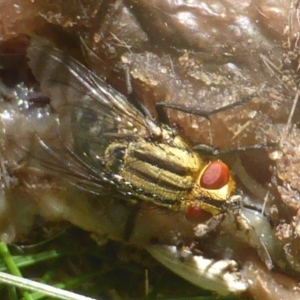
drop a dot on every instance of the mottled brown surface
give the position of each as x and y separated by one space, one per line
202 55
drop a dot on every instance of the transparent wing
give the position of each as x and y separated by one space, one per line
90 115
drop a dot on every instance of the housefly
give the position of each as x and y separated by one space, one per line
89 135
104 144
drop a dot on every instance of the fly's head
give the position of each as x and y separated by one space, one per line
213 195
213 189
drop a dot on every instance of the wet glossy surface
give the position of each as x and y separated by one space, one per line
201 55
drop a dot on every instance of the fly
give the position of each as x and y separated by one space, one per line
106 145
102 143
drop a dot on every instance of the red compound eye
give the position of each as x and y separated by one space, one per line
196 215
215 176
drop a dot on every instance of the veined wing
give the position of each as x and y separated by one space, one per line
91 115
71 85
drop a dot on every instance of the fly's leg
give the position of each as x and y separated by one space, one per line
162 116
131 96
205 114
130 223
202 148
159 106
